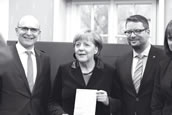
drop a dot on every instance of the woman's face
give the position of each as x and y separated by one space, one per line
85 50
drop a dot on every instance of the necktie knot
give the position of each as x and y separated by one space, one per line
140 56
28 53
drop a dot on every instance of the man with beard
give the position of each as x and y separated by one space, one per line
138 68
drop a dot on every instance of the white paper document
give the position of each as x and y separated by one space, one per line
85 102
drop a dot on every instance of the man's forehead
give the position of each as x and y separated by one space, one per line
134 25
29 21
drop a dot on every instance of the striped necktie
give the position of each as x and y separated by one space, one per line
138 73
30 70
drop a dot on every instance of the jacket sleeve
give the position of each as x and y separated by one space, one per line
55 101
115 97
157 102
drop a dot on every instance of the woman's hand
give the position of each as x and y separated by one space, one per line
102 97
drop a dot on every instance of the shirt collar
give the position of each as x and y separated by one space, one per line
21 49
145 53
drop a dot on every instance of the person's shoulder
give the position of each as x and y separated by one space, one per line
124 56
42 52
159 52
165 61
164 64
67 65
107 66
157 49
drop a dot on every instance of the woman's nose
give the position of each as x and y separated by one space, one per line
81 47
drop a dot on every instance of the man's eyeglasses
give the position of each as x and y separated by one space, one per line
135 31
33 30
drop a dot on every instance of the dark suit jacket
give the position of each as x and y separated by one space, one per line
162 95
69 78
133 103
15 95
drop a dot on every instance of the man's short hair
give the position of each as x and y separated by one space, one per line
138 18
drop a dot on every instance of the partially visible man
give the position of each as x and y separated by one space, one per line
138 68
5 54
25 80
2 41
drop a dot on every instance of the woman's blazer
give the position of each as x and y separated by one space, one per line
69 78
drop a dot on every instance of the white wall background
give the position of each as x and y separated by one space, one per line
42 9
60 10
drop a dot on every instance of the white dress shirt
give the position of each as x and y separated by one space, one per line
145 53
23 58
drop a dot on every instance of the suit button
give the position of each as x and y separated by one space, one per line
137 99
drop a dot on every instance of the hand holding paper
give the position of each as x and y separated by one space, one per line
102 97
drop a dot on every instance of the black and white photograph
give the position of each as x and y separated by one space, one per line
85 57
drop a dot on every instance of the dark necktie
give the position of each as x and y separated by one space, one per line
30 70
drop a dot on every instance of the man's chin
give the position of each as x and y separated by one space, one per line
133 44
82 60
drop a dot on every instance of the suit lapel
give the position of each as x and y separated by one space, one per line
94 77
19 66
77 74
39 62
129 79
150 63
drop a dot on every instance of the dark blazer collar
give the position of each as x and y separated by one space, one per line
18 65
20 68
99 64
151 63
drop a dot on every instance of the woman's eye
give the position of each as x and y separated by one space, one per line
86 44
77 44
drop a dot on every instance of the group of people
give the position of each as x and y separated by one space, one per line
138 83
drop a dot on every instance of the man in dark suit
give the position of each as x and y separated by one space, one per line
25 79
138 68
